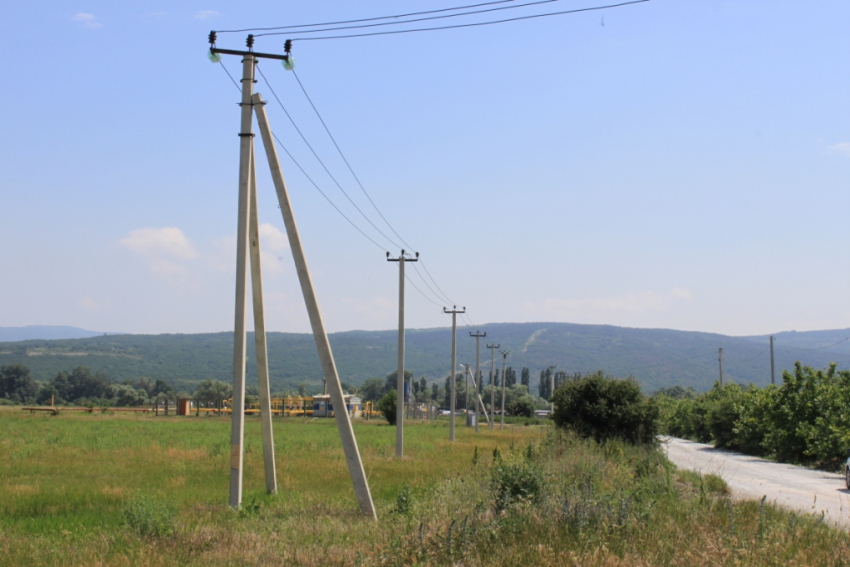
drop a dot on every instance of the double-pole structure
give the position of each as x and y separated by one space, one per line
504 354
399 420
248 246
493 348
478 336
454 311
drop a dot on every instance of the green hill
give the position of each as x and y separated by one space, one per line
657 357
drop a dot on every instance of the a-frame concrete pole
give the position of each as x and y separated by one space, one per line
237 426
478 403
260 337
323 346
492 348
478 395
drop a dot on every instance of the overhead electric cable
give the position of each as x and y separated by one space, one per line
415 20
816 348
297 129
368 19
410 281
310 179
468 25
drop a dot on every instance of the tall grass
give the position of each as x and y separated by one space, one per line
92 490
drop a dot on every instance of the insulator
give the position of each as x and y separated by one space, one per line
287 45
289 63
214 57
250 41
212 37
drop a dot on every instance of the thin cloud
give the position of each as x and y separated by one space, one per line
842 148
206 14
86 20
159 242
630 303
88 303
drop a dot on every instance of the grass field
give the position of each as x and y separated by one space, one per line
141 490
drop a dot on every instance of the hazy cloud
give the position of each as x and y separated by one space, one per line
88 303
86 20
164 248
158 242
630 303
843 148
206 14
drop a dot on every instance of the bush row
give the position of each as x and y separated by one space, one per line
804 420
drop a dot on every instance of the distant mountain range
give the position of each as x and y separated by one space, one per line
44 332
656 357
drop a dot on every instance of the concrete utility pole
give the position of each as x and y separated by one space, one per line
399 422
492 384
452 395
720 360
552 387
323 346
772 371
505 354
260 339
237 421
478 336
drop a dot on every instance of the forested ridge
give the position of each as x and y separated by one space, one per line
657 358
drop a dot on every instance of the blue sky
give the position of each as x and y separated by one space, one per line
685 165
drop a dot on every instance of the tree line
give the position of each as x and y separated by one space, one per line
803 420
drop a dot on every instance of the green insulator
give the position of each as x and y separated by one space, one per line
214 57
289 63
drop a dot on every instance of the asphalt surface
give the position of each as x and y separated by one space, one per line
792 487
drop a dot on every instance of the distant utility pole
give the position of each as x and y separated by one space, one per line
454 313
478 336
477 394
492 384
399 422
772 371
552 387
505 354
720 360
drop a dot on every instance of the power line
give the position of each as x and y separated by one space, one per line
344 159
350 200
441 17
817 348
367 19
470 25
310 179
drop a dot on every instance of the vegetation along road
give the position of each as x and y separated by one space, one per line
792 487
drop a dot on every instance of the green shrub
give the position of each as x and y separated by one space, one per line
603 407
387 406
515 481
148 516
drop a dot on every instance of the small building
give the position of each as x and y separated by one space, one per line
323 406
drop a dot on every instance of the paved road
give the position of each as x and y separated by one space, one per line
789 486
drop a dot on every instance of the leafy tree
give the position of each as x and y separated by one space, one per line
16 384
604 407
423 384
348 388
525 378
387 406
392 379
521 406
81 384
127 396
510 377
212 392
372 389
677 392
